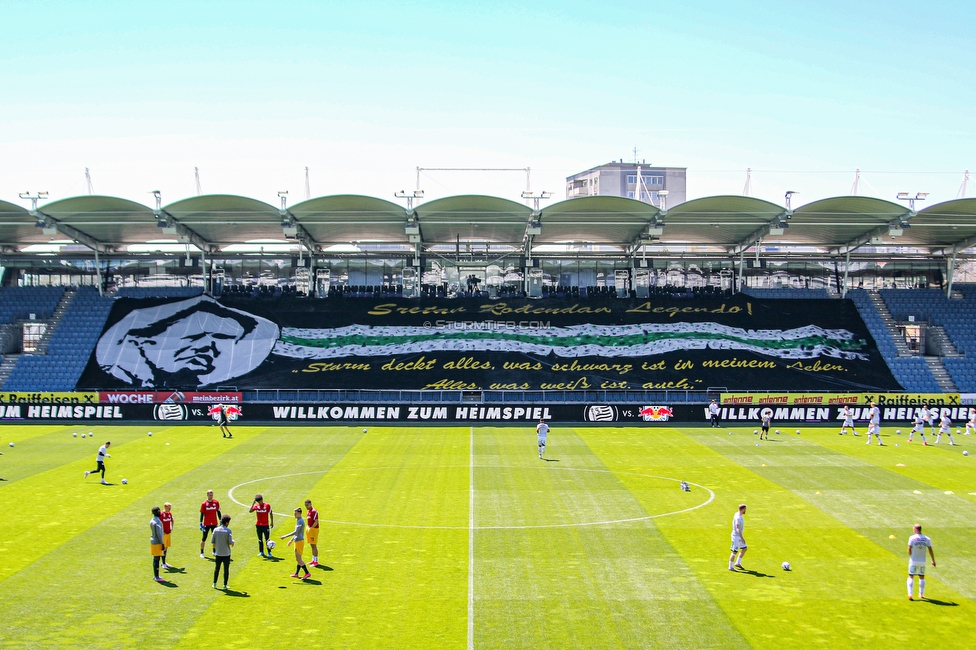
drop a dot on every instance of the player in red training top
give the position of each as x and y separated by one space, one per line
209 518
264 523
166 516
312 534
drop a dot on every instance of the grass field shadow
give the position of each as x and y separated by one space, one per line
551 460
311 581
941 603
236 594
322 567
274 558
168 584
756 574
174 569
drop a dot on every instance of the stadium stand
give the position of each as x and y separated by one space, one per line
933 307
18 303
788 294
69 348
159 292
911 372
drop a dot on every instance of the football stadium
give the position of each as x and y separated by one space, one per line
518 426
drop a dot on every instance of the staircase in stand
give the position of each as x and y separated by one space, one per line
9 361
942 340
889 322
941 375
56 317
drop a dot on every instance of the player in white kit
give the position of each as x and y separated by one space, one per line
542 430
738 541
848 414
919 427
917 546
945 426
929 416
971 424
874 425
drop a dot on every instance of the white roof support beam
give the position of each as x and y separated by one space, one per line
757 236
72 233
191 235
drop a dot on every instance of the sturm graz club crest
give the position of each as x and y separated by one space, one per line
600 413
170 412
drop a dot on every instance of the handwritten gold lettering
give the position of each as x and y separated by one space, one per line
816 367
576 366
419 364
525 365
448 384
738 363
468 363
660 365
579 384
325 366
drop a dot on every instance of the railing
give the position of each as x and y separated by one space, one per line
633 397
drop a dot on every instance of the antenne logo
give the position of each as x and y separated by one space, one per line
656 413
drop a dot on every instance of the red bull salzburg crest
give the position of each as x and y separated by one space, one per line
656 413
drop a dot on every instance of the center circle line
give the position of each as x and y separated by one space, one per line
711 497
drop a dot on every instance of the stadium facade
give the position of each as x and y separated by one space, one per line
602 305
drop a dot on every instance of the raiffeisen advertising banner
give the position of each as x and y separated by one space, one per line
828 399
200 344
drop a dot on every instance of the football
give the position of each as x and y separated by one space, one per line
150 433
11 444
755 431
125 481
757 444
74 435
82 435
797 432
965 453
777 431
898 432
786 566
271 544
364 430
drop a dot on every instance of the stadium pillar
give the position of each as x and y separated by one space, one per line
950 267
98 273
847 267
742 261
203 265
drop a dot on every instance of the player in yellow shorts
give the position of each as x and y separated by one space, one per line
166 516
156 542
298 538
312 531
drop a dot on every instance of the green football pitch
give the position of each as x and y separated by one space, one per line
459 537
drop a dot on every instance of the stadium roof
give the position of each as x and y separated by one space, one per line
720 224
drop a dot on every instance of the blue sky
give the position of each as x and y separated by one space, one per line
364 92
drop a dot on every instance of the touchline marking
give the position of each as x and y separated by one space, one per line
471 526
471 546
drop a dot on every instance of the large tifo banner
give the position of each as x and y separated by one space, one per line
739 343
